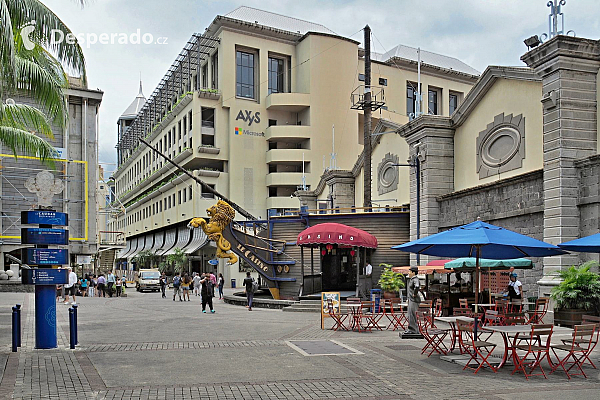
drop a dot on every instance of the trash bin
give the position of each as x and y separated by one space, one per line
376 298
233 283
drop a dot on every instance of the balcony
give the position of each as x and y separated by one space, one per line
286 155
283 202
111 238
284 178
288 132
292 102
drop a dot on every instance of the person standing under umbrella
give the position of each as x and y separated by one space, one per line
514 287
413 287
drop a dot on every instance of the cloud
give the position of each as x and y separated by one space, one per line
478 32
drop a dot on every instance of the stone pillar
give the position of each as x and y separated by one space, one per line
307 198
431 139
569 68
341 185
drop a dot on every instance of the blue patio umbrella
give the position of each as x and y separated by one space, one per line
588 244
480 240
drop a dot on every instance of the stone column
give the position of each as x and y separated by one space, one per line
307 198
431 139
568 67
341 185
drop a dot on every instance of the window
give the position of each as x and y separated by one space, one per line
383 81
190 192
432 102
204 193
453 104
179 130
179 197
169 201
166 208
184 125
190 120
410 99
214 64
361 77
205 75
272 122
276 75
245 74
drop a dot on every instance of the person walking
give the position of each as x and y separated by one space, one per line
213 282
101 285
220 284
110 282
119 285
70 287
197 286
249 285
83 284
163 285
92 286
206 293
176 285
185 286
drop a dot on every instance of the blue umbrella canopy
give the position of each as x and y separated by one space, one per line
493 242
588 244
470 263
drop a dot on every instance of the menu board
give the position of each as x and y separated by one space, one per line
335 297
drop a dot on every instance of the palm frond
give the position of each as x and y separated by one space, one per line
44 87
21 141
7 49
25 116
45 21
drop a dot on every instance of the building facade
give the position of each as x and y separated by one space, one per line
255 107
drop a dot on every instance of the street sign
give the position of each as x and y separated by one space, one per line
44 217
46 256
44 236
45 276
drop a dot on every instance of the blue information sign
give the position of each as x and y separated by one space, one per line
45 276
44 217
44 236
46 256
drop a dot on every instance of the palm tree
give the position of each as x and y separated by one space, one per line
31 63
178 258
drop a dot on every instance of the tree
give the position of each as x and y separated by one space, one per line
31 63
145 257
178 259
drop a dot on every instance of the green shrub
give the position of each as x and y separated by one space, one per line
390 281
579 289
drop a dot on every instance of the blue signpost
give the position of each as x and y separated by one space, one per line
45 279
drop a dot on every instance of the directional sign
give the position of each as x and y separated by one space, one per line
44 217
44 236
46 256
45 276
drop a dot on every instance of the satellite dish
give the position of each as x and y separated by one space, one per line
213 262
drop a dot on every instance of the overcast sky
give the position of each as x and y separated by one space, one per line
478 32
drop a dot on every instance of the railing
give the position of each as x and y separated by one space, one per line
112 238
347 210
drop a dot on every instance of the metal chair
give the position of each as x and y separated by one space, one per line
395 314
438 308
479 350
591 319
541 307
534 351
576 349
434 336
338 319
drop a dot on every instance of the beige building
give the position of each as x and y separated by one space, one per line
252 108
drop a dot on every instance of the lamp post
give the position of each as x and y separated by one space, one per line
416 164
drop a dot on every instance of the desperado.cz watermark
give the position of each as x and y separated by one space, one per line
89 39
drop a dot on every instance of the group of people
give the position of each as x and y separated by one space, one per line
202 285
90 285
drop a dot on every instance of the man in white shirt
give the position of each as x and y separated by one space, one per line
70 287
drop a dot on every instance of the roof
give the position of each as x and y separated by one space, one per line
427 57
136 105
278 21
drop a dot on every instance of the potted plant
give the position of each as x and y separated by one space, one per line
578 294
390 281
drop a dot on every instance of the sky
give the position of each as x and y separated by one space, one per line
478 32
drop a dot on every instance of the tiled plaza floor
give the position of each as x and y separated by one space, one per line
145 347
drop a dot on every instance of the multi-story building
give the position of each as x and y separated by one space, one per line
255 107
75 175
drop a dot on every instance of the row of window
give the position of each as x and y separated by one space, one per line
433 95
246 63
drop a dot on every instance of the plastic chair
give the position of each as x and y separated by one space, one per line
576 349
479 350
534 351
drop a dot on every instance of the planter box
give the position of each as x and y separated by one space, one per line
569 317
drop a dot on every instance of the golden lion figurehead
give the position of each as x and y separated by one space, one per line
221 215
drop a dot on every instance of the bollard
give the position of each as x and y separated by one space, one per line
71 328
18 325
75 323
14 329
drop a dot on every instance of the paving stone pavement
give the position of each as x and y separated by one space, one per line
145 347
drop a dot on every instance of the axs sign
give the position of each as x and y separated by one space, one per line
248 117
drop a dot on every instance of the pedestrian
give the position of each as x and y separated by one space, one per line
213 282
197 286
101 286
119 283
220 284
70 287
59 292
176 284
185 286
92 287
249 289
206 293
83 284
163 285
110 282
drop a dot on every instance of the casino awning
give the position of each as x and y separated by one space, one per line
332 233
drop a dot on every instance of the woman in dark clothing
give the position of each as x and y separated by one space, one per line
206 293
220 283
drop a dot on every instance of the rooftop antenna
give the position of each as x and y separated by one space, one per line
418 97
332 162
553 20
